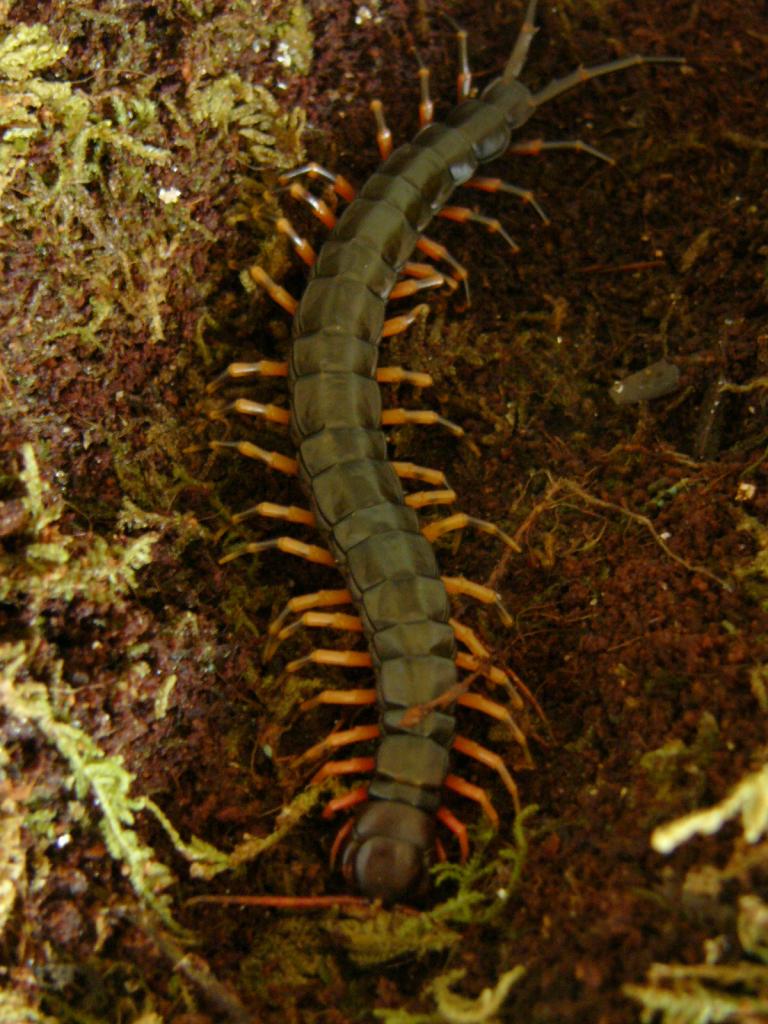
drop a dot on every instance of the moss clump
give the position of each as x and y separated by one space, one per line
711 993
54 567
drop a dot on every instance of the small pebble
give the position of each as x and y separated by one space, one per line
653 381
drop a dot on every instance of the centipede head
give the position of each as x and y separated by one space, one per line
388 852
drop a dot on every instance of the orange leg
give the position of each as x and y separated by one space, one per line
324 620
345 698
320 209
317 620
314 171
472 792
420 499
341 836
435 251
458 828
301 246
345 801
471 641
499 678
463 215
290 513
422 270
252 451
477 702
247 407
497 185
481 656
491 672
288 545
410 471
244 371
303 603
396 417
426 106
490 760
461 520
459 585
322 656
398 324
397 375
345 738
383 134
468 637
405 288
353 766
533 147
274 290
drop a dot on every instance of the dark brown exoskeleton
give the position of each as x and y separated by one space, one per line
370 526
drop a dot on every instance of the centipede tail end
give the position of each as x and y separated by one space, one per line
388 852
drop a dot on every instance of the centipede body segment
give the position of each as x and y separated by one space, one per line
369 528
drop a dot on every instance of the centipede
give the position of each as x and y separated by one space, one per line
422 662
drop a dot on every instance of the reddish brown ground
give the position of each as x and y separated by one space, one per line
628 650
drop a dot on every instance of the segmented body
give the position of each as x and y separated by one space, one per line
355 494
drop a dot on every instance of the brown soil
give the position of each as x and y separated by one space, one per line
639 601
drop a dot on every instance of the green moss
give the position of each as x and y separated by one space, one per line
16 1009
453 1008
229 102
711 993
391 934
293 944
702 994
64 567
754 574
28 49
94 775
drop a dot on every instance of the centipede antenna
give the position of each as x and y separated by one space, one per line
534 147
519 53
582 74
